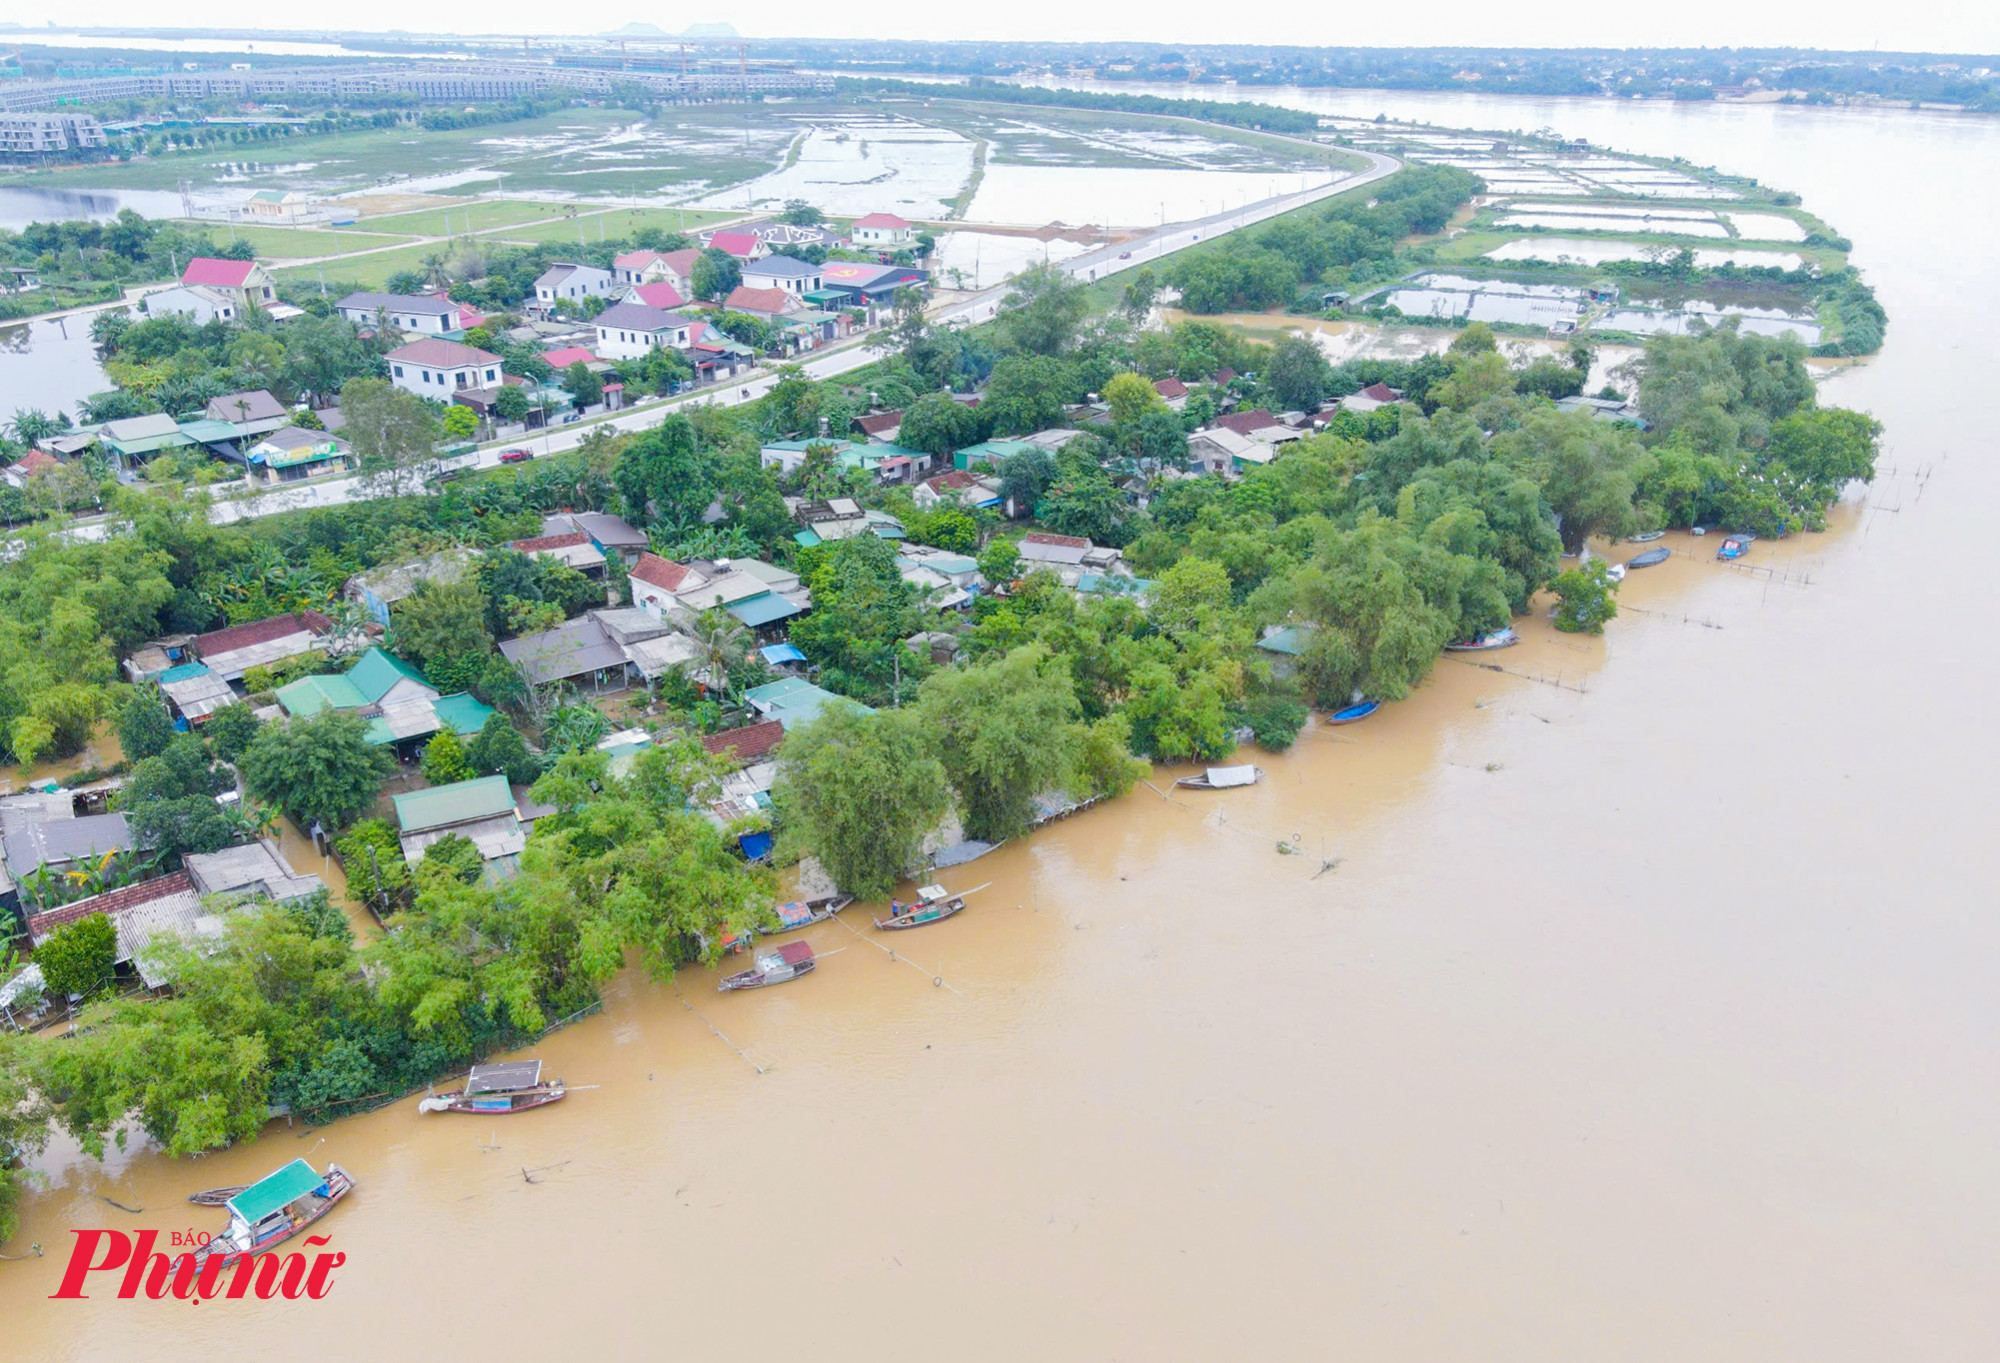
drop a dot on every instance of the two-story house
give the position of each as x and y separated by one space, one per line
657 267
433 368
884 231
626 331
425 314
568 283
795 277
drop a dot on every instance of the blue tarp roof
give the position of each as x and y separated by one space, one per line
763 610
185 672
782 653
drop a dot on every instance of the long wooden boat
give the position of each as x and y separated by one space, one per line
275 1208
215 1197
496 1090
800 913
1650 557
1222 778
1493 638
1354 714
936 905
1647 536
788 962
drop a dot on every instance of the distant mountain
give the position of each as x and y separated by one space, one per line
710 31
637 30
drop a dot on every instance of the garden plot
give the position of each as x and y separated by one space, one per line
1560 250
1584 222
1692 317
1488 300
1599 209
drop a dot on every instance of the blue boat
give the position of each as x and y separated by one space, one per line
1493 638
1354 714
1650 557
1734 547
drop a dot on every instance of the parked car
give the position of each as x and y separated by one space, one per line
1124 255
515 456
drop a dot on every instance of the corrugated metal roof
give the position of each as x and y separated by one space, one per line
764 610
461 802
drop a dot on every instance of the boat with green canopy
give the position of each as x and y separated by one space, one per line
275 1208
936 905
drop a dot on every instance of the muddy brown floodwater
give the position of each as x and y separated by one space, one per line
1649 1013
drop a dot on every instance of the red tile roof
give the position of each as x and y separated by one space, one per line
1044 537
229 639
743 298
1224 375
635 260
1243 423
1170 388
880 220
659 572
736 243
682 262
227 274
659 295
875 423
748 743
37 461
1381 392
569 355
543 543
109 903
948 482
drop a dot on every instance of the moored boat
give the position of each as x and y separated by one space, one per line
275 1208
1493 638
1650 557
495 1090
936 905
1355 713
1734 546
788 962
1647 536
1222 778
800 913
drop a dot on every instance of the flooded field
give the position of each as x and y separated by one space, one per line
978 260
48 365
1589 252
854 166
1646 1015
1125 198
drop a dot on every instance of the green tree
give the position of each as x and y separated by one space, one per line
1130 397
862 612
1587 598
938 424
1042 311
583 385
1589 470
665 478
499 750
230 729
859 791
716 274
24 1119
78 958
511 404
144 728
394 433
319 770
444 762
1006 732
1299 373
1476 339
999 561
459 422
442 620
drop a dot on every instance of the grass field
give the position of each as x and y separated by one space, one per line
293 243
612 225
471 215
1026 135
371 271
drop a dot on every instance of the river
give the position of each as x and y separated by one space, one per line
1647 1014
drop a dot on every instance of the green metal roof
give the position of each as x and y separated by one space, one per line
208 432
464 713
275 1191
147 444
1287 641
376 673
308 696
457 803
763 610
809 538
793 701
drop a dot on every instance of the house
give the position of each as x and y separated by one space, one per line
578 650
256 870
275 203
792 701
252 413
1041 546
19 279
28 465
565 282
232 651
573 549
137 436
889 463
859 284
756 593
611 534
748 744
627 331
1369 398
842 518
777 236
657 267
1173 390
1248 423
764 304
1286 644
244 282
1217 449
746 789
481 810
1604 409
651 644
62 843
381 588
960 486
568 355
426 314
292 453
193 693
883 231
794 277
944 583
434 368
744 246
882 426
662 295
200 305
141 915
401 707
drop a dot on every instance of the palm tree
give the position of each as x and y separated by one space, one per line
720 642
435 274
32 424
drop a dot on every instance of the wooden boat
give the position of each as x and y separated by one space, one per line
274 1209
1734 546
1647 536
215 1197
1354 714
788 962
1222 778
495 1090
1650 557
800 913
1493 638
937 904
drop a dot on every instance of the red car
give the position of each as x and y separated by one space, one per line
515 456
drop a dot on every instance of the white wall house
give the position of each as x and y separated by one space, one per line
657 267
795 277
884 230
573 283
197 302
438 369
405 312
626 331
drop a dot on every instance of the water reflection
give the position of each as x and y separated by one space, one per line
49 365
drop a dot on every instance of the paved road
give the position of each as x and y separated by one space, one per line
834 361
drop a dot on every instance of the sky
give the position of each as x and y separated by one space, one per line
1969 26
